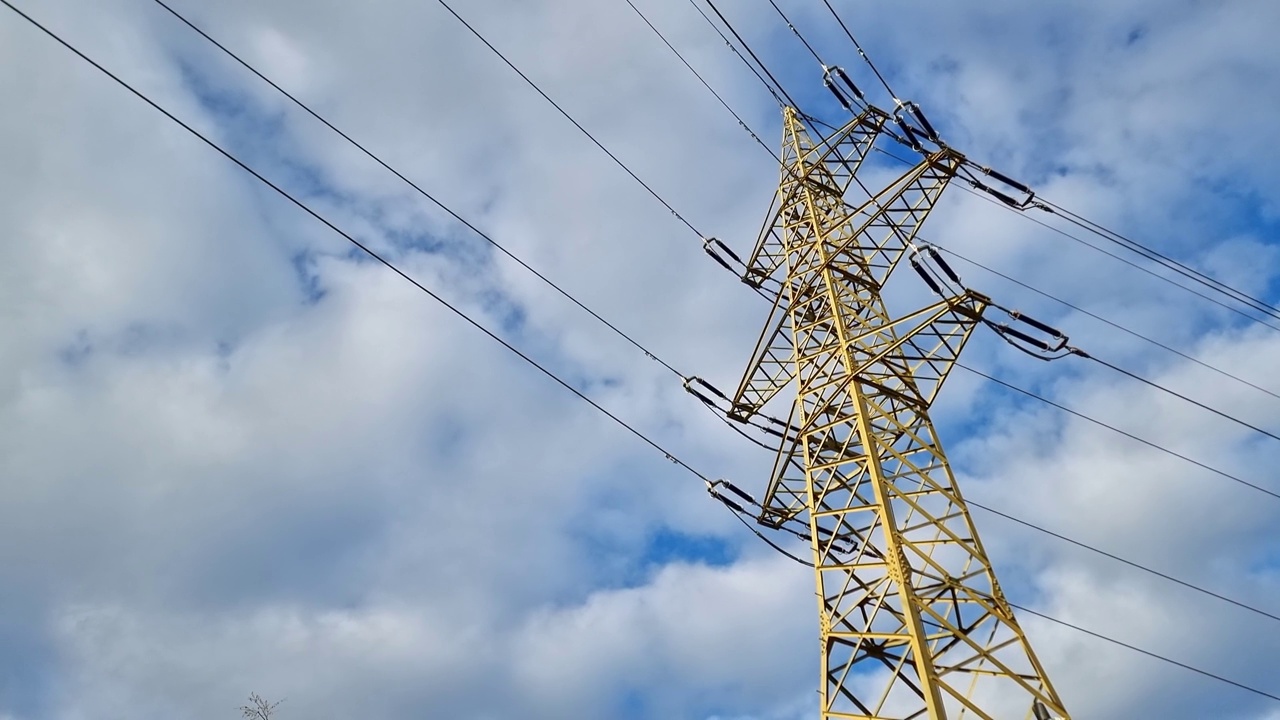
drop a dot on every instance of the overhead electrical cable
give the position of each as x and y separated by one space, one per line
858 46
796 32
1185 398
1148 653
364 248
1253 303
1130 563
753 55
1073 541
707 241
1114 429
1107 638
354 241
1164 260
529 81
728 43
1127 261
458 217
1112 366
1081 241
467 223
630 428
1222 288
1039 614
778 548
741 123
1146 252
1111 323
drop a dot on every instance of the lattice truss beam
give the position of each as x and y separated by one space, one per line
913 623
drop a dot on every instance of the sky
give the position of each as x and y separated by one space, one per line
237 456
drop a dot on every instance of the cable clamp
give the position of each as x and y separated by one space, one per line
935 271
1029 196
1052 347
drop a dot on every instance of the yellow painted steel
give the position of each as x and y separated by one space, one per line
912 621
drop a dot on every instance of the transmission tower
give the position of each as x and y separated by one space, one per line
912 621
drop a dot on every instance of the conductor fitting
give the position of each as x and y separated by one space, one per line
1052 344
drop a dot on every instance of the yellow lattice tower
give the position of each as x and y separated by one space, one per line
913 623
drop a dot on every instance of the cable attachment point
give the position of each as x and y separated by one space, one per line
706 247
918 114
713 488
713 247
1029 196
841 79
1051 347
914 135
692 380
913 141
923 259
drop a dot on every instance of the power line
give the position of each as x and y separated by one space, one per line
1100 636
796 32
476 324
706 240
1098 229
351 239
1107 638
1164 260
1077 239
1114 429
728 43
712 406
776 547
1135 376
861 52
1039 528
581 305
1253 303
1116 325
1148 653
1113 324
1044 530
1144 381
1116 368
1184 398
1104 320
523 264
487 238
741 123
1130 563
1126 261
571 119
630 428
753 55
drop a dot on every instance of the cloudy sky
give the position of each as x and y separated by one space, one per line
236 456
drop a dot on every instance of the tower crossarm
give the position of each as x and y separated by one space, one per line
928 341
861 242
830 166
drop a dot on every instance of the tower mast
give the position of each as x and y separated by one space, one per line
912 621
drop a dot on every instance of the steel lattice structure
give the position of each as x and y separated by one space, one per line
913 623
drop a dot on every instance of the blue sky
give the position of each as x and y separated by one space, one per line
236 457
